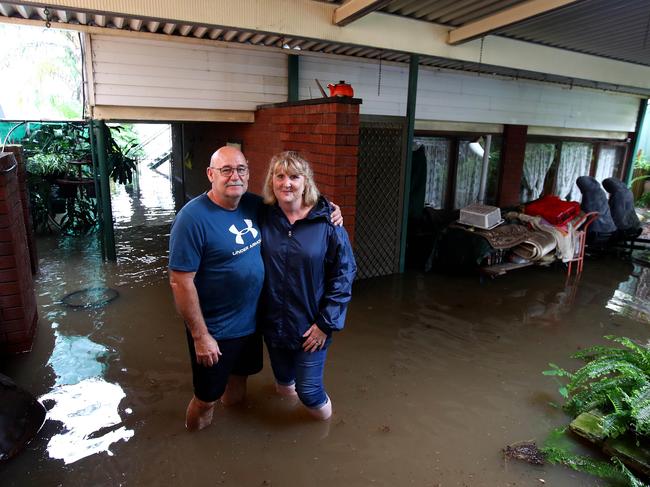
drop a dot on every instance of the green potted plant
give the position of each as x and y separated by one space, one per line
60 176
58 182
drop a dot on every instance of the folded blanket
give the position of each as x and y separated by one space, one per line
537 245
565 237
504 236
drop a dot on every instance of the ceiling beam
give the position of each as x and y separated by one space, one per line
510 16
355 9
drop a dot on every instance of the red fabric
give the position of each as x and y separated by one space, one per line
553 209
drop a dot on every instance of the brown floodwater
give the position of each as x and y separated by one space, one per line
431 378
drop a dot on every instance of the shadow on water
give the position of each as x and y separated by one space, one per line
431 378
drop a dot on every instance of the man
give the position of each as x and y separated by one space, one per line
216 275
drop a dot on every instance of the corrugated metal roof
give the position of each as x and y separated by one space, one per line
606 28
448 12
613 29
452 11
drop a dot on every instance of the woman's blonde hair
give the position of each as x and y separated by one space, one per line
291 163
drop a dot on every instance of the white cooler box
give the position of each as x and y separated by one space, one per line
481 216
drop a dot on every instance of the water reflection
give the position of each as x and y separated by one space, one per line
82 399
148 201
88 411
76 358
84 402
143 213
632 298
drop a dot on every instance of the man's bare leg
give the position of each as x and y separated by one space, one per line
199 414
235 390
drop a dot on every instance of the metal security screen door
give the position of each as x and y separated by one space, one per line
379 197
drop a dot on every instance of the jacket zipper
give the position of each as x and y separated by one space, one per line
286 274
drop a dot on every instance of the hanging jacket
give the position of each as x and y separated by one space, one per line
309 269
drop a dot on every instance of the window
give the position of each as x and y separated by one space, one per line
468 174
609 161
575 161
437 151
537 162
442 163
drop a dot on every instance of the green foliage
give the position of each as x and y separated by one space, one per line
616 381
641 161
50 149
641 166
628 476
123 148
48 67
582 463
80 216
643 200
558 449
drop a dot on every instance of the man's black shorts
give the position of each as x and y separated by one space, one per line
239 356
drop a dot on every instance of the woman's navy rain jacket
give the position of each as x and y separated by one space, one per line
309 270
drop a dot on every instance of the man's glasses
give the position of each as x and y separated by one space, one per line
226 171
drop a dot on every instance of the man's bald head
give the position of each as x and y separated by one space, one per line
227 156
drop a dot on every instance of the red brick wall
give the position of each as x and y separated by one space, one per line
512 164
17 151
18 315
326 133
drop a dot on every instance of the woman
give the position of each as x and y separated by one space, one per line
309 269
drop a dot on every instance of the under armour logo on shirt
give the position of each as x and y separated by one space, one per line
249 228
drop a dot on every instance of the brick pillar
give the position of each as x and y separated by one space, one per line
18 314
17 151
512 164
326 133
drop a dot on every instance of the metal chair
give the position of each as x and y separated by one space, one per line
581 234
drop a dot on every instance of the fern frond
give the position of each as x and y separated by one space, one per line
603 367
642 353
557 371
615 424
639 404
618 398
595 395
582 463
599 351
632 480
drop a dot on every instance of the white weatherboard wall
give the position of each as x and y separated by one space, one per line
363 76
457 97
145 73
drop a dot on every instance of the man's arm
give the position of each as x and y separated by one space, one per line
335 216
187 303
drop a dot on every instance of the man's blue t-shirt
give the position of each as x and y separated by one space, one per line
223 248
